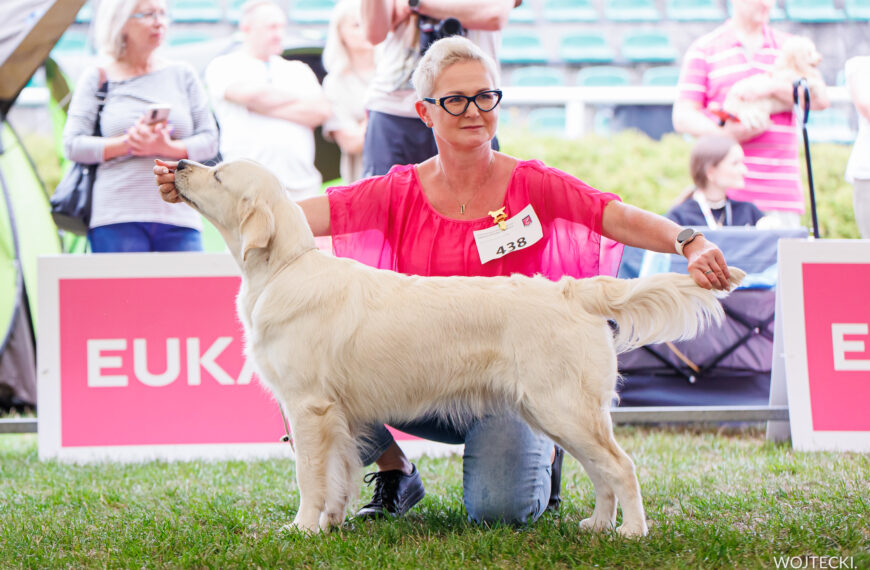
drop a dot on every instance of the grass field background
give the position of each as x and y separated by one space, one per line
714 499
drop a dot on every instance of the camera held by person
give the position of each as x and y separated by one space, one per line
433 30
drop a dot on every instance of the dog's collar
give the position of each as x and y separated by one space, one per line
290 261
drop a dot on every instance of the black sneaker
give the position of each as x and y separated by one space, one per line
556 481
394 494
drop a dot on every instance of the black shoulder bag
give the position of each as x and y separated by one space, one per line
71 201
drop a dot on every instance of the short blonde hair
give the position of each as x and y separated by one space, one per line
444 53
248 8
109 25
335 56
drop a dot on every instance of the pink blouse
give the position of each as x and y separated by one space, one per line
387 222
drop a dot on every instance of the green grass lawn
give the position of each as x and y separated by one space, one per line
714 499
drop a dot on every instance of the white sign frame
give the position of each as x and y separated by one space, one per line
52 269
793 254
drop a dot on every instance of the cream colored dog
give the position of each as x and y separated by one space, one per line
798 58
343 345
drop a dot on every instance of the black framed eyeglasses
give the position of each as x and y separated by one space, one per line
486 101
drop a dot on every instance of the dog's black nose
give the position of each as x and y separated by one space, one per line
182 164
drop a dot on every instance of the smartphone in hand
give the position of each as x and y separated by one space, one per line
156 113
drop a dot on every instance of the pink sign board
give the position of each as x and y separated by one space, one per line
149 361
141 357
837 321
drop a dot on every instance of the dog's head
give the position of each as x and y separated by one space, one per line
241 198
800 55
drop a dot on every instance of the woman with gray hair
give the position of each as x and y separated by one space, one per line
135 128
470 210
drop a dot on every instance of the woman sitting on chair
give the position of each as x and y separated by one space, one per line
716 165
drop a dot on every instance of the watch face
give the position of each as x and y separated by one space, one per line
685 234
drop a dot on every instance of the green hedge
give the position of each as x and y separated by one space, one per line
643 172
651 174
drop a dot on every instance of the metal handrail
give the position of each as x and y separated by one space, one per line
628 415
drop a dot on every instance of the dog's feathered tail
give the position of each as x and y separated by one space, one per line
658 308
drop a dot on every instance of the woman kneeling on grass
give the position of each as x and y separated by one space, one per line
421 219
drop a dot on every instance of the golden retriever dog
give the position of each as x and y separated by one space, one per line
343 346
798 58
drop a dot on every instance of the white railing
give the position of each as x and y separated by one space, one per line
577 100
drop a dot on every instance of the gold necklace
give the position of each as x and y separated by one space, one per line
473 194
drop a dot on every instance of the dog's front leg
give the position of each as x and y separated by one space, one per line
312 451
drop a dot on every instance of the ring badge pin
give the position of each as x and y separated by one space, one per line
509 234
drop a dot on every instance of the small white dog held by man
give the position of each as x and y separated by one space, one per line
488 328
799 59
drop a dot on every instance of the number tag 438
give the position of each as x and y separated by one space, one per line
520 232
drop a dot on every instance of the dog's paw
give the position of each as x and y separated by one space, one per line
331 520
633 530
596 525
301 527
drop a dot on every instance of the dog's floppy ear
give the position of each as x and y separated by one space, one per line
257 227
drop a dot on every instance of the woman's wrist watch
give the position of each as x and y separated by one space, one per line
684 238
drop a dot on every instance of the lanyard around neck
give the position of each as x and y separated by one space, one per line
699 197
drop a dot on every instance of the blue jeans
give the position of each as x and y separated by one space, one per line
506 465
129 237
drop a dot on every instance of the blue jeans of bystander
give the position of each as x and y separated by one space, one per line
130 237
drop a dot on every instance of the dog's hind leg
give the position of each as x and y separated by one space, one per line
584 428
604 514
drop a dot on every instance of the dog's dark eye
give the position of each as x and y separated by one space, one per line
216 177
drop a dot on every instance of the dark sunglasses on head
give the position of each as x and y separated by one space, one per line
457 104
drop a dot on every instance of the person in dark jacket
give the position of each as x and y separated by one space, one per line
717 166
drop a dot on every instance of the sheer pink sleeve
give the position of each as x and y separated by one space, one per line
359 216
571 212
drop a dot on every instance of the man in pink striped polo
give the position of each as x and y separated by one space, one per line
744 46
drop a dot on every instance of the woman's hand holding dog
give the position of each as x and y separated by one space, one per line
164 171
707 264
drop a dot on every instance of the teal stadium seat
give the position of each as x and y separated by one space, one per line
547 120
524 14
661 76
37 79
830 126
776 13
858 10
648 46
311 11
603 76
195 11
587 47
813 11
85 14
72 42
522 47
570 11
537 76
234 10
694 10
187 37
632 11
